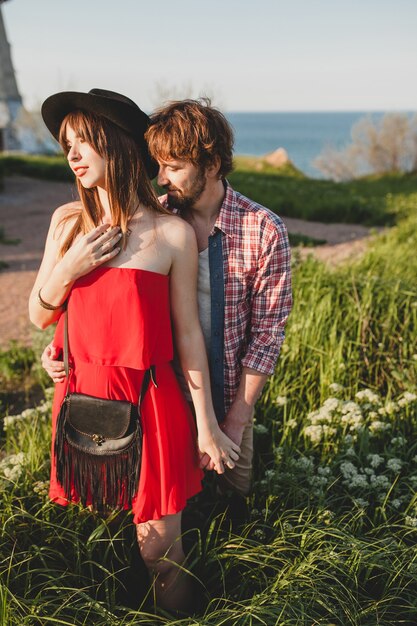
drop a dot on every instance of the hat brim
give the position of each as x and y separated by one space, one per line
131 119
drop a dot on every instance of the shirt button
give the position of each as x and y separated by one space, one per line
215 244
217 275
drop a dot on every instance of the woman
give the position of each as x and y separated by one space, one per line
123 264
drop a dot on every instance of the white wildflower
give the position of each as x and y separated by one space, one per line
281 400
352 416
318 481
411 521
44 408
292 423
303 463
361 503
359 481
9 420
331 404
260 429
375 460
324 471
407 398
314 433
318 432
367 395
41 487
392 407
396 503
379 427
259 533
398 441
335 387
11 467
395 465
348 470
380 482
350 407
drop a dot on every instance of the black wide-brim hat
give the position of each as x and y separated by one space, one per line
113 106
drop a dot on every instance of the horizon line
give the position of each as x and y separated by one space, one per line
323 111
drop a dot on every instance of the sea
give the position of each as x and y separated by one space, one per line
303 135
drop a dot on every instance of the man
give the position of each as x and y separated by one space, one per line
244 284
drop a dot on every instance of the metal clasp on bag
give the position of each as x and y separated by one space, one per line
98 439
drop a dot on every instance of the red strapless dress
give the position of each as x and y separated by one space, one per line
119 325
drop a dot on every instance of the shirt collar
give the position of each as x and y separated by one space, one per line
226 218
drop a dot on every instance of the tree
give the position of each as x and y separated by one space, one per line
378 147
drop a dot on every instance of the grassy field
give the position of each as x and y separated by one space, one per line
332 530
372 201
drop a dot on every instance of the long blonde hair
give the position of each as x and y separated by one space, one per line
125 175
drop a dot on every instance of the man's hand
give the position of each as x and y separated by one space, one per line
52 365
239 415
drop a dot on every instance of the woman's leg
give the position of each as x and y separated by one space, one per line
160 546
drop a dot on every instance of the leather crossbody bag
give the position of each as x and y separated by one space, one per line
98 445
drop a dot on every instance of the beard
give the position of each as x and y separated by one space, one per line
185 199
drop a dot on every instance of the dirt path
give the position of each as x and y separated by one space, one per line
26 205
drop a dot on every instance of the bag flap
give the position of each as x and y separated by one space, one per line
90 415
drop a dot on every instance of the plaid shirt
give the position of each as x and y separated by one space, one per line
250 260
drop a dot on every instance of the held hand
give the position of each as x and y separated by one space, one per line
221 450
92 250
238 417
234 430
52 365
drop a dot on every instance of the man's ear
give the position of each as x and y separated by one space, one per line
212 170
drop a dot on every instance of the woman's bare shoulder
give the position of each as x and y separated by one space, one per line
64 217
66 210
175 229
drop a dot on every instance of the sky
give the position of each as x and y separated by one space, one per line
257 55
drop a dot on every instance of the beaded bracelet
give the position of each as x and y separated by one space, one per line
46 305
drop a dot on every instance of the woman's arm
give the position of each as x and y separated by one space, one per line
191 349
56 276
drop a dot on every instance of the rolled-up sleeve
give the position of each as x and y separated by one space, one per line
271 299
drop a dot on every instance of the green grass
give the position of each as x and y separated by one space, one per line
22 378
45 167
332 531
6 241
297 239
373 201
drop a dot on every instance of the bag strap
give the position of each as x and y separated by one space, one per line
150 373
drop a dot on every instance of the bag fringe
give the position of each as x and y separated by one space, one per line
108 481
